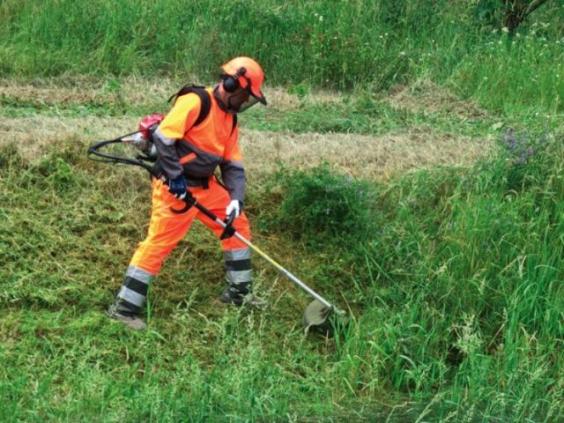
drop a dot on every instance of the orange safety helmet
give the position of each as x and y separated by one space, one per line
245 71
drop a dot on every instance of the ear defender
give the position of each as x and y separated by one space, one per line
231 82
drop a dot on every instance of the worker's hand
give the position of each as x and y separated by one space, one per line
234 206
178 187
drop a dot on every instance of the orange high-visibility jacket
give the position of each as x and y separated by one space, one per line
196 151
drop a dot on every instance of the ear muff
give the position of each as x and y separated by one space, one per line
231 82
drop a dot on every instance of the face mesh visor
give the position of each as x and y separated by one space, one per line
250 102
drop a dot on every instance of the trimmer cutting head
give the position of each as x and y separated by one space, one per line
317 318
325 319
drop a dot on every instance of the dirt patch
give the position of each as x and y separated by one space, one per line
375 157
425 96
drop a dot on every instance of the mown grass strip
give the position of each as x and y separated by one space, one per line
366 116
291 110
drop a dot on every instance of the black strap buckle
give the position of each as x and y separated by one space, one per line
197 182
229 230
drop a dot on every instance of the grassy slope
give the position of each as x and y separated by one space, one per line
455 298
456 292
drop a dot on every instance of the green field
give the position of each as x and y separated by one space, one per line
409 167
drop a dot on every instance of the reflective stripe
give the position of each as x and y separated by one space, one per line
163 139
131 296
238 265
135 285
238 276
234 255
127 307
139 274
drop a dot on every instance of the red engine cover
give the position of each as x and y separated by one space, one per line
148 122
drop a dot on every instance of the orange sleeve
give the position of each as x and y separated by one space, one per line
232 151
181 117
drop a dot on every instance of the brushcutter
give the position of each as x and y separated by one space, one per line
317 314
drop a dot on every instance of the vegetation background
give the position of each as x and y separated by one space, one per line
409 166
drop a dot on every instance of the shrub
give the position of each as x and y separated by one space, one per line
321 205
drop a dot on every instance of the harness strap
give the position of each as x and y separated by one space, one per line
191 181
205 99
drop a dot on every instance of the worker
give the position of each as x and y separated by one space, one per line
197 135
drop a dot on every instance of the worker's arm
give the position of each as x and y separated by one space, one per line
177 122
232 170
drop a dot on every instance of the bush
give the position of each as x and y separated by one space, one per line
322 205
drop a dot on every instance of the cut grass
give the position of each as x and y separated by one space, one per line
298 131
360 155
422 105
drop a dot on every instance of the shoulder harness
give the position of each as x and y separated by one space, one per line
205 99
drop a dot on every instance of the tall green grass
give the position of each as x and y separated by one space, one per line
336 44
460 282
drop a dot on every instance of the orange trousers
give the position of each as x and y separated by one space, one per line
167 228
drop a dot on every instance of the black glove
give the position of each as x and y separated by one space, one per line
178 187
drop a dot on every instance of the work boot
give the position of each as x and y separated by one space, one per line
122 314
238 297
233 295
